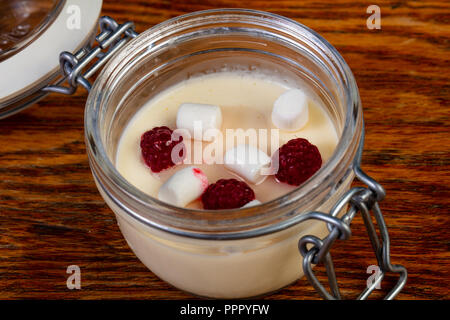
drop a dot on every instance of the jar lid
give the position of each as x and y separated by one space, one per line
33 34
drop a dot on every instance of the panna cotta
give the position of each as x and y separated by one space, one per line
241 102
248 106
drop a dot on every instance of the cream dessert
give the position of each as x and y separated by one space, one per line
246 104
248 101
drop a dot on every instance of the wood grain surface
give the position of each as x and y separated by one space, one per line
51 215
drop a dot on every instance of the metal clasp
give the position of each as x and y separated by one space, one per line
359 199
112 37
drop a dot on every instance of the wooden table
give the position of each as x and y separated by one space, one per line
51 215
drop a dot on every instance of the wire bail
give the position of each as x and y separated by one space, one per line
359 199
112 37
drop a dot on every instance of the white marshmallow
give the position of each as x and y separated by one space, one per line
290 110
251 203
247 161
183 186
193 115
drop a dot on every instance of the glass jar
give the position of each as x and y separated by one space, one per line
222 254
229 253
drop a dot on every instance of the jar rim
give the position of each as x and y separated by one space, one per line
274 215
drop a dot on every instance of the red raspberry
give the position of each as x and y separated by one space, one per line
227 194
298 161
156 148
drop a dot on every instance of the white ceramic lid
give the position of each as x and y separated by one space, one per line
68 26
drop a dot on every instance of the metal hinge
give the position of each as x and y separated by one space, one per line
112 37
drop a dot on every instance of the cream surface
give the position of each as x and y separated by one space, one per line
246 101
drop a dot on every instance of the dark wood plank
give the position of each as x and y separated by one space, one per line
52 216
